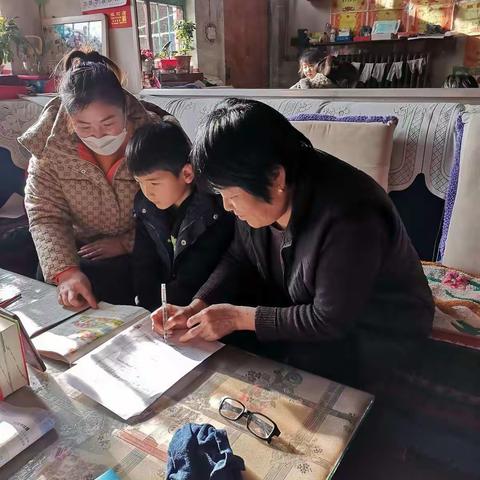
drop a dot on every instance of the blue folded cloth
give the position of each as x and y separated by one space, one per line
198 452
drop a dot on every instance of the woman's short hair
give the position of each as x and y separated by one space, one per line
460 80
243 142
88 77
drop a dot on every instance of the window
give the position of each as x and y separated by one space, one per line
155 23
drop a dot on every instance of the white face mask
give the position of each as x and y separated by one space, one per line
106 145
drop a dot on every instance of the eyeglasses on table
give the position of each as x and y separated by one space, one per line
258 424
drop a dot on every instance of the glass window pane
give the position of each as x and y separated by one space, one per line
162 19
142 24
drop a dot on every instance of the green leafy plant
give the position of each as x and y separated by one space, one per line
184 31
10 36
164 52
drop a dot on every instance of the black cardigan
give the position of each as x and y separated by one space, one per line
350 269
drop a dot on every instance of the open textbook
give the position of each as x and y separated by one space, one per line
20 427
134 368
78 335
38 306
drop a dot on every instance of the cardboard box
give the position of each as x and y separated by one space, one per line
13 369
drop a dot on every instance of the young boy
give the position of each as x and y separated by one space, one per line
181 233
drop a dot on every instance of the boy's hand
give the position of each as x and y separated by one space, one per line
177 316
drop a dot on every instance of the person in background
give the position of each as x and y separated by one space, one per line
313 70
181 232
460 80
79 193
317 71
336 286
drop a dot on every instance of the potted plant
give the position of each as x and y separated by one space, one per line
184 31
163 59
9 35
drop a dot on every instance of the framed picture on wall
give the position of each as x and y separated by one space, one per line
63 34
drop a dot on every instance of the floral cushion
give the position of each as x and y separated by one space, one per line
457 302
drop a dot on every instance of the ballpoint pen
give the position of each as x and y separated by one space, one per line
164 310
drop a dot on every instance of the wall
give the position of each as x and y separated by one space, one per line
123 42
210 55
304 14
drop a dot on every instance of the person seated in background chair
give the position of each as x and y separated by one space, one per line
317 71
336 286
460 80
181 232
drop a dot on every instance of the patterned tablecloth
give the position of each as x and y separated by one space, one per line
317 419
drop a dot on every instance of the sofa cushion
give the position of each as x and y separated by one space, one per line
364 142
462 247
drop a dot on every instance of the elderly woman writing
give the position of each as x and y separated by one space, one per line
335 283
79 193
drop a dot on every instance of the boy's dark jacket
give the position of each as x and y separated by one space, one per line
204 235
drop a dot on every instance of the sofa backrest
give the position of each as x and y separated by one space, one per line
462 245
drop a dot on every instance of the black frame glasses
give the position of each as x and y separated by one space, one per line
252 418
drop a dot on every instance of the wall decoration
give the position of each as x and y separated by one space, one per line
64 34
118 17
349 5
349 21
418 16
467 17
90 5
433 14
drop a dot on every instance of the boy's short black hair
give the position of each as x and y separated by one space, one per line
157 146
243 143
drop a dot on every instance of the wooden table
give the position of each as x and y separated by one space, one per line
317 418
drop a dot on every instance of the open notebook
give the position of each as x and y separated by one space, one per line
134 368
82 333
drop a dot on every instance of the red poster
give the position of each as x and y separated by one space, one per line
118 17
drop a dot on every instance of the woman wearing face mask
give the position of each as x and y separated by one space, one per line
79 193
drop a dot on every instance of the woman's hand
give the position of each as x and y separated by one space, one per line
217 321
75 290
177 316
103 248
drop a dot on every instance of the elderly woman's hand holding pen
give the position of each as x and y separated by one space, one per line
206 322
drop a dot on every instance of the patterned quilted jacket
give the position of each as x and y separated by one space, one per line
69 201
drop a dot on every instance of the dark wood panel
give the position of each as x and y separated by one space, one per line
246 43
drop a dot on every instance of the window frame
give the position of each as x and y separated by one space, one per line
148 16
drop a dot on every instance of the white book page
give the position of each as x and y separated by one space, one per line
19 428
43 313
38 307
130 371
88 327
